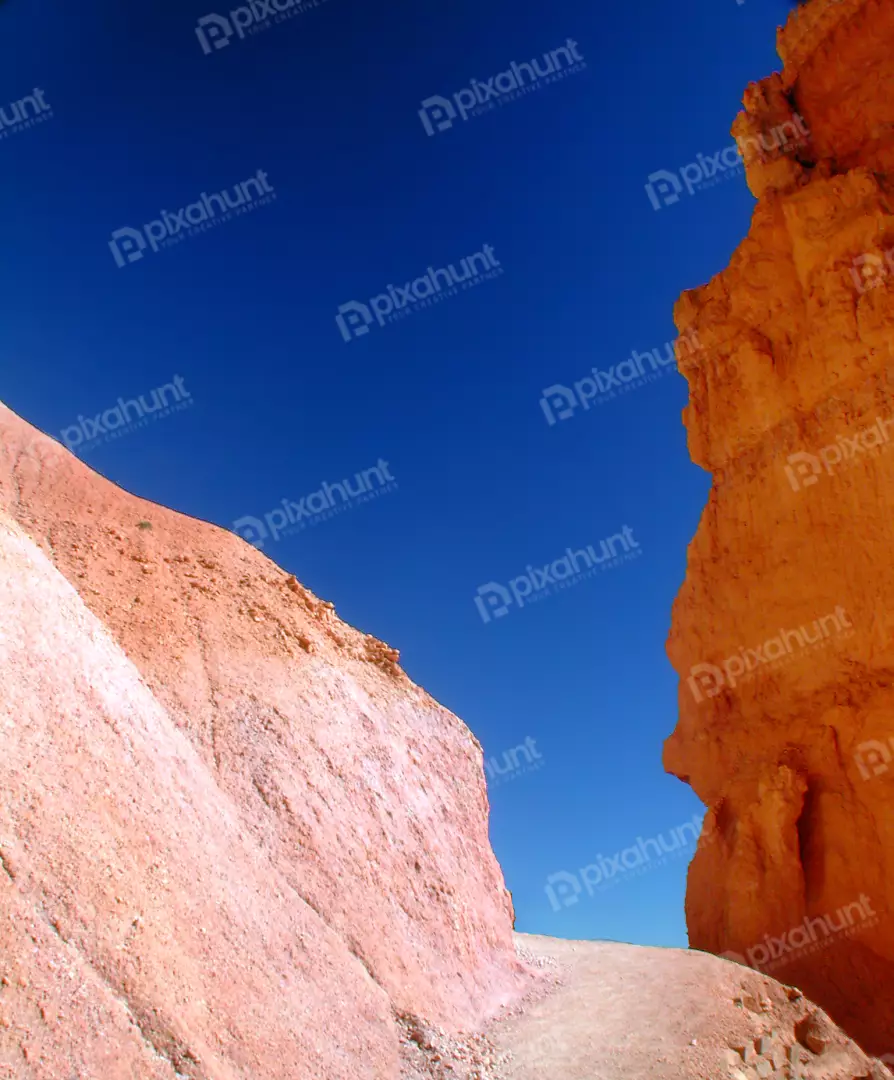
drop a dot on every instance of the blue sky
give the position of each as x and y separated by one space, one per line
141 119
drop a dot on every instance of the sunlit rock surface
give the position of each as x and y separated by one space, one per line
235 840
783 633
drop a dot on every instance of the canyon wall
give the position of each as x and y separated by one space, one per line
235 840
783 633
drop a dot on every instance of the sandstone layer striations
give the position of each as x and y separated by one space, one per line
235 840
783 633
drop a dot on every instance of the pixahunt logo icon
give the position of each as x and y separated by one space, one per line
494 600
216 31
874 758
291 517
871 270
129 245
440 113
24 113
354 318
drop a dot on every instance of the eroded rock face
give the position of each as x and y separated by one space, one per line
783 633
235 840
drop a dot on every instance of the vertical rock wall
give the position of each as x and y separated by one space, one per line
783 633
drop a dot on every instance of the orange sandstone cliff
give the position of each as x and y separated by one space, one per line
783 633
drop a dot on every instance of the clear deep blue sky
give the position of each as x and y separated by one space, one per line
326 104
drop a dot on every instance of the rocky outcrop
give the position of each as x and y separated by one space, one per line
629 1012
235 840
783 633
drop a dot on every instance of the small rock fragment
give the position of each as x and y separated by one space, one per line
811 1033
